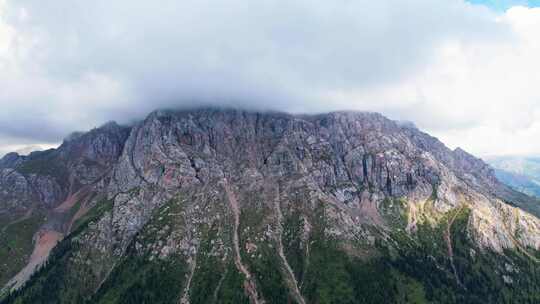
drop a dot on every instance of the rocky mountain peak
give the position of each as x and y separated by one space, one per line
10 160
255 194
49 177
103 142
347 155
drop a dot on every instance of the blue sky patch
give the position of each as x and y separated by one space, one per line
502 5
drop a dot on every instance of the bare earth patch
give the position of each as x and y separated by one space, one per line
45 241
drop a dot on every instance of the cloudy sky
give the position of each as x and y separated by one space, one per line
467 72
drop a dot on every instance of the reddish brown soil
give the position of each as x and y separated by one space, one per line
45 241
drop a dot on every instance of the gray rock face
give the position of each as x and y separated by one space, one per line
11 160
58 185
16 192
46 178
90 155
224 164
349 159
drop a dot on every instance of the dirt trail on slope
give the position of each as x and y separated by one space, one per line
294 284
249 283
45 242
448 239
185 296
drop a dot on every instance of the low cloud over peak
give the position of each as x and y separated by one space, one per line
451 67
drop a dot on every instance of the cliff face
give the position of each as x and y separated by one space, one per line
42 194
347 158
258 207
46 178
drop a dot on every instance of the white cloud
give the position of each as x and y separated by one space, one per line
484 96
462 72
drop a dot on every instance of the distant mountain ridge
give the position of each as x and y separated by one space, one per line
232 206
519 172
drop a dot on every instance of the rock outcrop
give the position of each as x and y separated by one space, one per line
229 184
58 185
344 156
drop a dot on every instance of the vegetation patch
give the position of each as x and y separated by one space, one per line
137 279
407 268
231 290
141 276
53 282
16 245
486 277
265 265
209 269
66 278
262 260
295 251
332 276
93 215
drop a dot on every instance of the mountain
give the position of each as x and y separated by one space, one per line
522 183
43 194
229 206
29 149
520 173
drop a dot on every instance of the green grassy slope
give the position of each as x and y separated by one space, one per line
16 245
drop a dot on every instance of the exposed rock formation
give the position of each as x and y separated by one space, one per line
35 185
228 184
